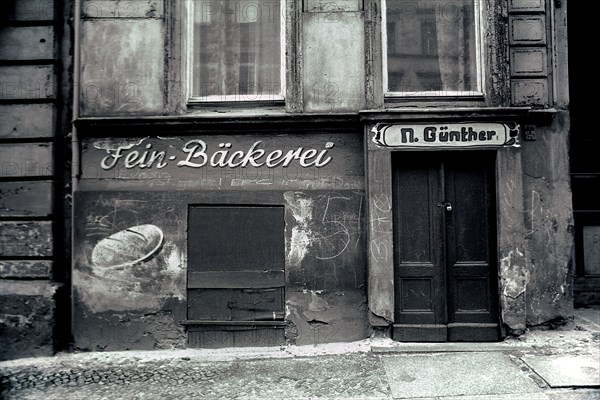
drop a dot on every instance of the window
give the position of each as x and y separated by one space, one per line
237 50
432 48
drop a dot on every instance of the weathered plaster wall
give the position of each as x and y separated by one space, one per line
536 241
548 223
513 270
122 58
334 76
538 264
26 318
325 266
119 304
123 300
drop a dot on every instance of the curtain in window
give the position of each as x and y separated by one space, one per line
236 49
431 46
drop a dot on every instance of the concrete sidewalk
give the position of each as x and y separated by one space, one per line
541 365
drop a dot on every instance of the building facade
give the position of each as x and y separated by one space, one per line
250 173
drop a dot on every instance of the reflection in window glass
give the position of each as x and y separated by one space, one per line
237 52
432 46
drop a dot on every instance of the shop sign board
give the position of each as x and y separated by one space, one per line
316 160
446 135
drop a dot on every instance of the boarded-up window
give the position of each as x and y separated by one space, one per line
235 276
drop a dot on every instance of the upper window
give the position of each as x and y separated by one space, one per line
237 50
432 48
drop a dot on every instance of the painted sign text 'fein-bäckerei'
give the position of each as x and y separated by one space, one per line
453 135
196 153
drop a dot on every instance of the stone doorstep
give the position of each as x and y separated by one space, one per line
405 347
589 318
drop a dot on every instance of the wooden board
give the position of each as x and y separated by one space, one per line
235 273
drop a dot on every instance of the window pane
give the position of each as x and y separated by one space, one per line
237 49
431 46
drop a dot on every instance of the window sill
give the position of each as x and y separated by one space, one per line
401 97
233 111
193 105
474 100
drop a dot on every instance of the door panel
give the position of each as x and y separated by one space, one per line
470 227
445 268
418 274
467 191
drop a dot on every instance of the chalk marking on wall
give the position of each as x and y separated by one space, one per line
534 194
509 198
358 221
133 269
128 247
543 220
345 239
380 245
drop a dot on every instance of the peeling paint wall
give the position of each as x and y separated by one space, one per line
536 229
512 247
536 244
26 318
325 270
514 277
128 282
322 316
548 223
130 259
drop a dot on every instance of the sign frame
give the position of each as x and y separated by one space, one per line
439 136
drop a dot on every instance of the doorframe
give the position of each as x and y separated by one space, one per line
510 234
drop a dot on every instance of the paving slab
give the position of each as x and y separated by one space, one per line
577 394
512 396
456 374
566 371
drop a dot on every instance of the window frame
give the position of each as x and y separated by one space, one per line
235 99
436 95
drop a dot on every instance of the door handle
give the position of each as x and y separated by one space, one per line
446 205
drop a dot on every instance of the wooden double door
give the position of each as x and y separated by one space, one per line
445 266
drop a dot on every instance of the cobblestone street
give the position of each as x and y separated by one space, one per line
346 376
